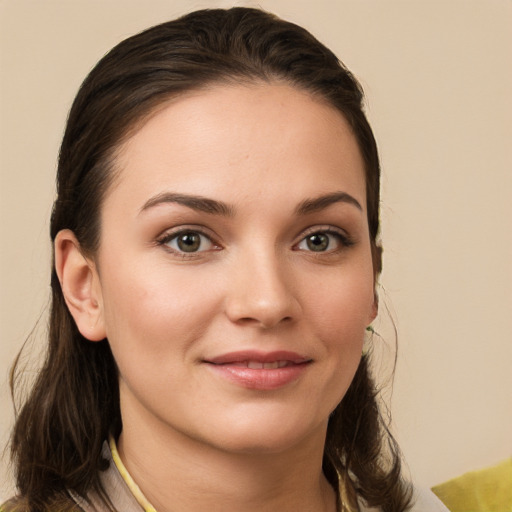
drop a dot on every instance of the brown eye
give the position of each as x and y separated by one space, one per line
189 242
317 242
323 241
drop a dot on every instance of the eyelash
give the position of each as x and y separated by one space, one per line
168 237
343 239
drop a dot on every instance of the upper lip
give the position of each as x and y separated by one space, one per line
258 356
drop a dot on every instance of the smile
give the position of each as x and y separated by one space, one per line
258 365
259 371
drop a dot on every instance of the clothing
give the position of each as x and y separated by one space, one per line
126 496
426 501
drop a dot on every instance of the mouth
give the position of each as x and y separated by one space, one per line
258 365
277 357
258 370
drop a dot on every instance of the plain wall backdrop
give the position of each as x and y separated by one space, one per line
438 79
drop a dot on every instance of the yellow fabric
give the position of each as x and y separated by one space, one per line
134 488
486 490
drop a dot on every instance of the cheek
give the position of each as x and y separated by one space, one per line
156 309
339 311
342 302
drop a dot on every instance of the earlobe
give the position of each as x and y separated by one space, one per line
80 286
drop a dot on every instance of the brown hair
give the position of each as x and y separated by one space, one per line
74 404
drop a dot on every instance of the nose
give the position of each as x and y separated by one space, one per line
261 293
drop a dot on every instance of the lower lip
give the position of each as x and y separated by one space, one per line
261 378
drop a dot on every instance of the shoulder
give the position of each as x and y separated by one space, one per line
20 504
423 500
17 504
12 505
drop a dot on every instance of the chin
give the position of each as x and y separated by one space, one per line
270 437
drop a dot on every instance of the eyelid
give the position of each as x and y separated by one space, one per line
345 239
324 228
164 238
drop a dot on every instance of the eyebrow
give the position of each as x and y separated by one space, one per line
214 207
199 203
320 203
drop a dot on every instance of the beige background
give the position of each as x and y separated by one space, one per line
438 77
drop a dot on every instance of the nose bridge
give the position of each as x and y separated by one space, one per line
261 290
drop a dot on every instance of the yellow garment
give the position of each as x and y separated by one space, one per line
486 490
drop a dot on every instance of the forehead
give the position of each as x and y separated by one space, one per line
238 139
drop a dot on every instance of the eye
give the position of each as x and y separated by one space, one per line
323 241
188 241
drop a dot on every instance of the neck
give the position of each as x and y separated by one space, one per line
178 474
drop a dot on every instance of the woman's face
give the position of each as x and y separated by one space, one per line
235 272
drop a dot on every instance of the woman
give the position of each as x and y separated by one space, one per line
215 249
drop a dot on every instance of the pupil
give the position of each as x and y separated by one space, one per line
318 242
189 242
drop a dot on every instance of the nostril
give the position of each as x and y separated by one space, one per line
264 322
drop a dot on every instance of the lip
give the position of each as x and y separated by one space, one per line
231 366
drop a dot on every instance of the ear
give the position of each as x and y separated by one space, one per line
377 269
80 286
375 307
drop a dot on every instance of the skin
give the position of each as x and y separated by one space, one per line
191 437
